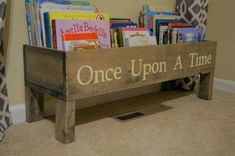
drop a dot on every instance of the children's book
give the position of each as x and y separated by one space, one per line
82 41
164 34
62 27
174 32
123 25
160 22
155 18
150 13
36 8
132 32
140 41
32 22
117 40
49 16
190 35
62 6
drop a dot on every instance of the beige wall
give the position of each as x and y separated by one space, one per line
18 36
221 28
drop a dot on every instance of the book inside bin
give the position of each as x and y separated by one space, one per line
77 42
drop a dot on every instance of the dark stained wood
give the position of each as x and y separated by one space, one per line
120 57
206 86
44 67
50 101
65 121
34 105
53 72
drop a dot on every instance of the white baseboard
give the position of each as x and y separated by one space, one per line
224 85
18 111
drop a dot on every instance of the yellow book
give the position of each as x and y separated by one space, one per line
49 16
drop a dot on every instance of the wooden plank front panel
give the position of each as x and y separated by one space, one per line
103 71
44 68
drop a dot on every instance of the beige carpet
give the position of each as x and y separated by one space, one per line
184 126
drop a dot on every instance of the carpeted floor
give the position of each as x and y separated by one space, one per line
184 126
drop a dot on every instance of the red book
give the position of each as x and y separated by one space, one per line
80 41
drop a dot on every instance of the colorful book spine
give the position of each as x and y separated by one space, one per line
164 34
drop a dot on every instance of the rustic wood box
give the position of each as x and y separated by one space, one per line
70 76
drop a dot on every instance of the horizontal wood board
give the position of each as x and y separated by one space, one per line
80 66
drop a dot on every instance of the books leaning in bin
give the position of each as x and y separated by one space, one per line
35 10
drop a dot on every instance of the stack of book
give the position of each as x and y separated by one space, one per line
68 24
167 26
49 21
125 33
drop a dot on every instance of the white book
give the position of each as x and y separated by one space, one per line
133 32
174 34
140 41
164 34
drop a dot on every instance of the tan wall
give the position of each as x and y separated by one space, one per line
18 36
221 28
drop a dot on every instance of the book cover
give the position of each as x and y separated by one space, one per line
82 41
140 41
100 27
191 35
132 32
60 6
49 16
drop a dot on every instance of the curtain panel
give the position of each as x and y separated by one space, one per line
193 12
5 116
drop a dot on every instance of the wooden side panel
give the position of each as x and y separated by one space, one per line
44 68
104 71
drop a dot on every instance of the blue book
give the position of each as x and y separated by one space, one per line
190 35
123 25
47 30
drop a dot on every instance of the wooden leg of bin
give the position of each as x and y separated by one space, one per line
65 121
206 86
34 101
